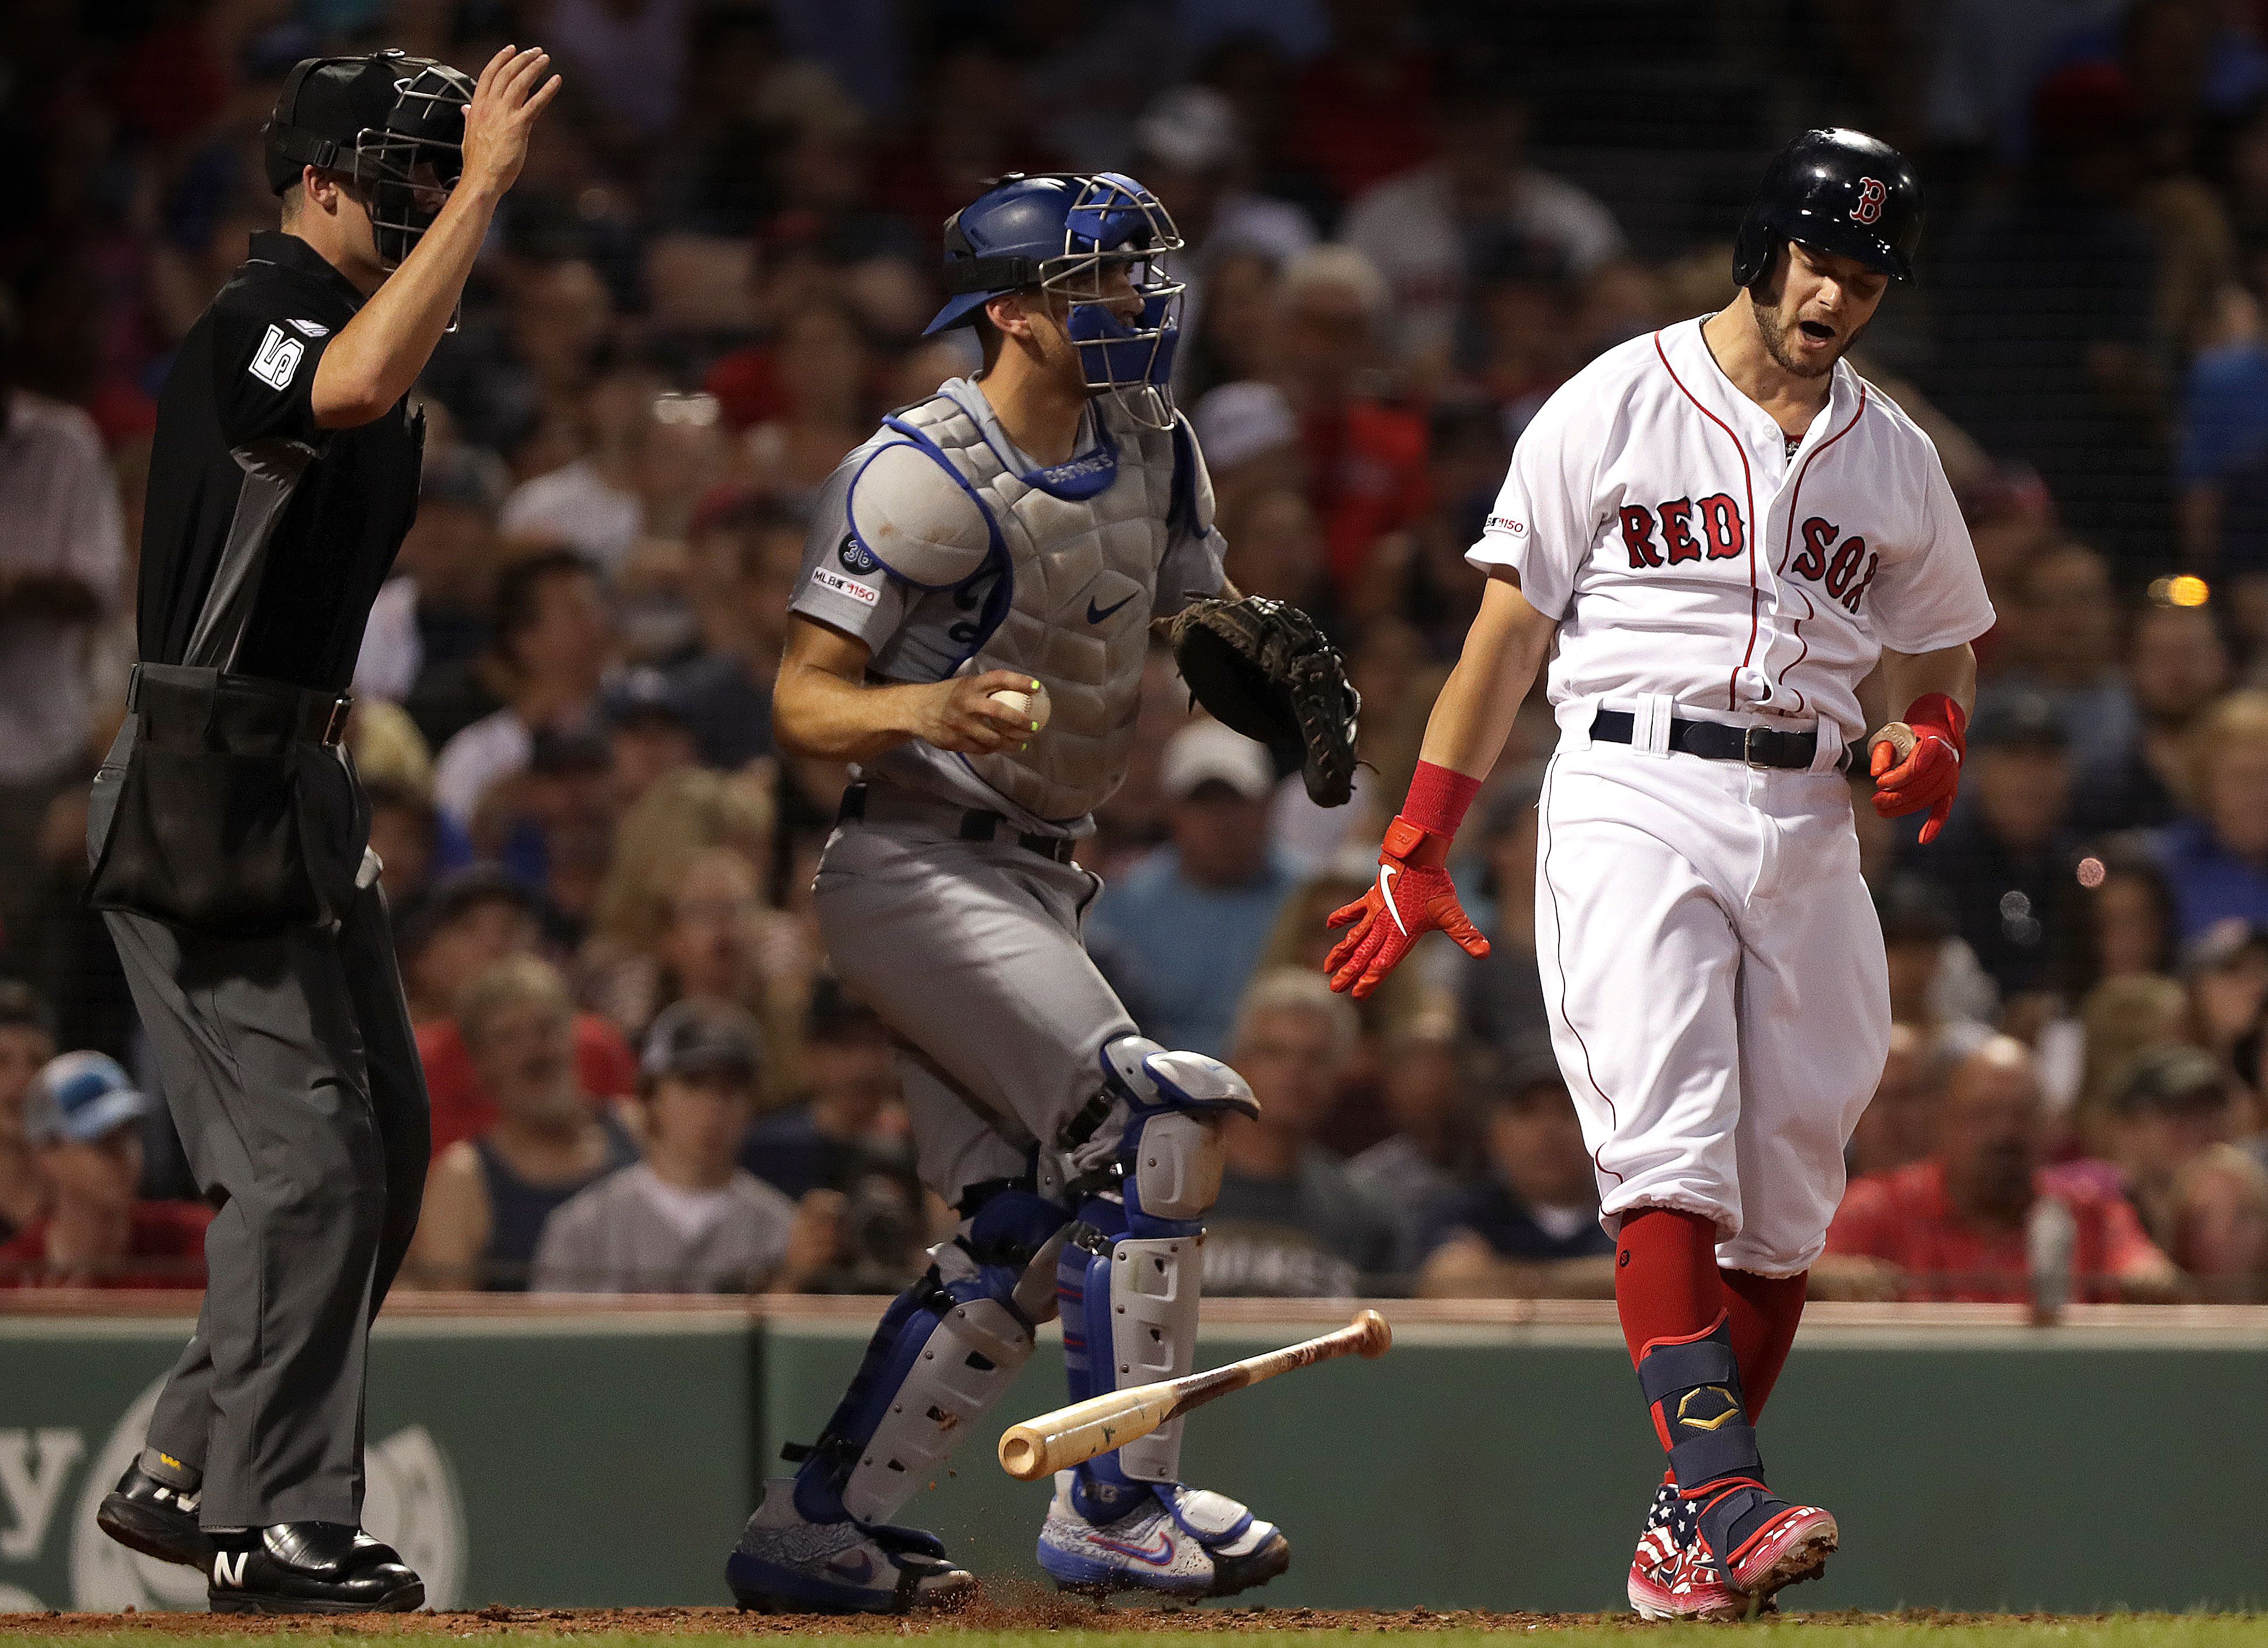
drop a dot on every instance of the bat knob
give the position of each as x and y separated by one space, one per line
1377 1337
1020 1454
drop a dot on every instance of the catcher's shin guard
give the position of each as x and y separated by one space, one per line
1130 1278
1757 1542
943 1353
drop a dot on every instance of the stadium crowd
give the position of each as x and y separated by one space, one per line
1406 223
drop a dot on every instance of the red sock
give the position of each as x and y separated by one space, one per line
1667 1284
1764 1311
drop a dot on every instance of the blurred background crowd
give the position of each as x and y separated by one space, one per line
1407 223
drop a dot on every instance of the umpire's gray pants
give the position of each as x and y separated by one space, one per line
970 952
293 1078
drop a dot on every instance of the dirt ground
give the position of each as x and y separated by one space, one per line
1044 1616
1043 1613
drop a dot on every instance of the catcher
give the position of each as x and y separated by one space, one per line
969 627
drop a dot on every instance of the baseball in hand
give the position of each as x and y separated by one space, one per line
1032 706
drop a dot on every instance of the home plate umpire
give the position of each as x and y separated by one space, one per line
229 835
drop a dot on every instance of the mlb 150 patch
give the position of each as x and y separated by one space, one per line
843 586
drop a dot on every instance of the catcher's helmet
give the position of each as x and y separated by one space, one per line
1840 191
1061 231
377 119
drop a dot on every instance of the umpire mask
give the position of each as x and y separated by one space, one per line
393 124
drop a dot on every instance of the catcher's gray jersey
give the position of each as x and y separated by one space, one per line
946 549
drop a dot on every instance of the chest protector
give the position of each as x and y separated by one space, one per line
1056 571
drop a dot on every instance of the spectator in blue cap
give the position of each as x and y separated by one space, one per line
82 1120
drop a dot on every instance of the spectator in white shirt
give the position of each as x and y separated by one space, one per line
61 560
593 504
1423 228
554 637
1188 149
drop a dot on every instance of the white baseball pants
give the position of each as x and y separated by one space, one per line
1719 998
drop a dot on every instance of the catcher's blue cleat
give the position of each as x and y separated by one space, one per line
787 1563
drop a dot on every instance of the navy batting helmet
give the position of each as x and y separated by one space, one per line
1838 190
393 123
1071 233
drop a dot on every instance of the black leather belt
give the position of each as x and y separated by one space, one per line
974 823
1713 740
316 717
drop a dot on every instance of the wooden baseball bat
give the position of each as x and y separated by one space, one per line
1056 1441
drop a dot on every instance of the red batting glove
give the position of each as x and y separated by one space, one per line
1930 772
1413 896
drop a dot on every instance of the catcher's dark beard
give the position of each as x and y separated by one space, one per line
1775 341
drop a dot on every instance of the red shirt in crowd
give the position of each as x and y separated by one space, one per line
1359 123
167 1249
462 1108
1368 462
746 384
1905 1217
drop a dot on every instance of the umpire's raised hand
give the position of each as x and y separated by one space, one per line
373 361
511 93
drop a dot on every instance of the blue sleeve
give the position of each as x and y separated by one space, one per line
1195 553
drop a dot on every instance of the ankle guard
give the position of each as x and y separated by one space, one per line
1693 1390
943 1353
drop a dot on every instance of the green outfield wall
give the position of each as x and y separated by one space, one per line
601 1458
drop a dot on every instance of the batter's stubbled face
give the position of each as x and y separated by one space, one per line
1816 308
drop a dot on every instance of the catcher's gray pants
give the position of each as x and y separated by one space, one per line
970 952
293 1078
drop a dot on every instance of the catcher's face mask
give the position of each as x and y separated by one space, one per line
1125 308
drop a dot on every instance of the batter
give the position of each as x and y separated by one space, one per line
1001 547
1713 533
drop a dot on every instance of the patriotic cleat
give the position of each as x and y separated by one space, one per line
1176 1541
786 1563
1761 1544
1753 1542
1669 1579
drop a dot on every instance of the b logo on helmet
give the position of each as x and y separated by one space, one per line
1870 200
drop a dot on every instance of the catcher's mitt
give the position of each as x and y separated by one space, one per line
1265 669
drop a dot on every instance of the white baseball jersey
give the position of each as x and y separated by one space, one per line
1658 514
1709 953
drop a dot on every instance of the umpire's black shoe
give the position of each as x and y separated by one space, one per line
310 1568
156 1518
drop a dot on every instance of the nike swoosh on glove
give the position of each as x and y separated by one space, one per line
1930 772
1413 896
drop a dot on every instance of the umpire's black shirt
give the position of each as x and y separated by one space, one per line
237 455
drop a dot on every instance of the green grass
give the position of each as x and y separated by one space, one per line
1843 1631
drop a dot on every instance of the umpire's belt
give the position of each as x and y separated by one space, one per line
1714 741
234 815
863 802
246 705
